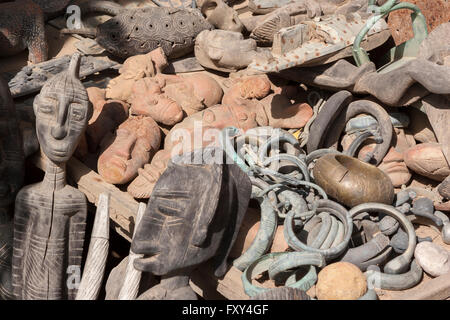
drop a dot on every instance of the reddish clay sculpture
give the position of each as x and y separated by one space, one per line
134 144
133 69
107 116
194 132
276 109
393 163
168 98
428 160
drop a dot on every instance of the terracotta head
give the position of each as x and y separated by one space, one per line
62 112
136 141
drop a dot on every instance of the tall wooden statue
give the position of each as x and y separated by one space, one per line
11 179
50 216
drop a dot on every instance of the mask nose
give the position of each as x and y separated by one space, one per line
59 132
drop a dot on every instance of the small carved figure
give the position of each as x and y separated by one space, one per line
147 99
22 26
50 216
133 69
168 98
196 131
194 214
275 109
11 178
139 31
226 51
134 144
107 116
220 15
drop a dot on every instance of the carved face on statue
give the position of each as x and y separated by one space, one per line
194 213
62 112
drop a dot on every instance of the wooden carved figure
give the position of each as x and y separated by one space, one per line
11 179
194 215
50 216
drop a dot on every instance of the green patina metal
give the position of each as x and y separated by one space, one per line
402 53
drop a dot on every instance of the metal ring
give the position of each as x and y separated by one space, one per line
323 206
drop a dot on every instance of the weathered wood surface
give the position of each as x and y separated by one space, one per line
123 207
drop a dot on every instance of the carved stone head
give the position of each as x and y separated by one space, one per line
62 112
194 214
11 152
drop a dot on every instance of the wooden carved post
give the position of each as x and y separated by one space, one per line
11 179
50 216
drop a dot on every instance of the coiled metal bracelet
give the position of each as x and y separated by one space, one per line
267 228
265 262
400 263
328 242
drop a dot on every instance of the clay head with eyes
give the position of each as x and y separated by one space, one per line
62 112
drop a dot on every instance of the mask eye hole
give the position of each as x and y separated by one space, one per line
78 114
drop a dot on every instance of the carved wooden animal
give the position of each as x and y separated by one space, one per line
22 27
194 214
139 31
50 216
11 178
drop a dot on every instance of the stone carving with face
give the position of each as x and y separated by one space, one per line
11 178
50 216
134 144
194 214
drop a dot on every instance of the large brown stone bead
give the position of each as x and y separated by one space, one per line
352 181
427 159
340 281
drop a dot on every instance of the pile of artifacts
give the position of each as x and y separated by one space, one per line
269 142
